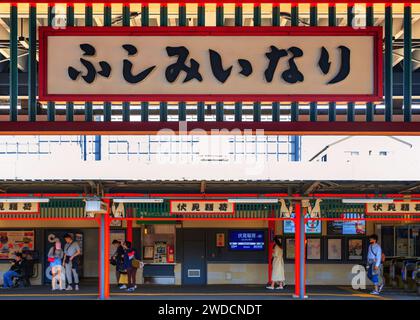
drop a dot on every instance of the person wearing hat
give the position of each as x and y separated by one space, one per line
71 261
277 274
15 270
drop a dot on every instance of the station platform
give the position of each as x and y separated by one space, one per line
89 291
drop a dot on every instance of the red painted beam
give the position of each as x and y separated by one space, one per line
213 128
213 1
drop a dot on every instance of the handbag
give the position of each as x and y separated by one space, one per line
135 263
123 279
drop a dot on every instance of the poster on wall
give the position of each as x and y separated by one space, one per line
311 226
15 241
355 249
115 235
220 240
334 249
290 248
350 227
314 249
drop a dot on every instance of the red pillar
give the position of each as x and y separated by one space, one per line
107 253
271 232
130 230
297 247
304 212
104 250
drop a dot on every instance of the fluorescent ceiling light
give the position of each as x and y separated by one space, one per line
381 200
13 200
254 200
138 200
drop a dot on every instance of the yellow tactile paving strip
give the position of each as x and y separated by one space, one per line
352 294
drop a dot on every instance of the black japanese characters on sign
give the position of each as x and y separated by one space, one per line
190 68
201 206
90 71
19 207
395 207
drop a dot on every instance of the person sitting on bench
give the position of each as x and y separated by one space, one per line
16 270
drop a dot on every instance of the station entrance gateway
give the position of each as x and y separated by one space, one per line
181 247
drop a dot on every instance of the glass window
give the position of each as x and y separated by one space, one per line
402 241
415 241
387 241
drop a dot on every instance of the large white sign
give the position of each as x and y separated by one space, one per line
169 64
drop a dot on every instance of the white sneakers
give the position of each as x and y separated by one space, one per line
70 288
123 287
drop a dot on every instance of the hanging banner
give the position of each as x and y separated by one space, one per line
397 207
315 211
285 211
201 207
118 210
19 207
210 63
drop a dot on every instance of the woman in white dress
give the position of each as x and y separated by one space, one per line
277 275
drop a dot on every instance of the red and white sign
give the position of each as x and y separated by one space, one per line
19 207
201 207
210 64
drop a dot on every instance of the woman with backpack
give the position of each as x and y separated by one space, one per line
55 257
130 264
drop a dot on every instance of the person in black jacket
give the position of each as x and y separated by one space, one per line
117 260
16 270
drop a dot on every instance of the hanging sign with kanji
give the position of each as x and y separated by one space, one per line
19 207
397 207
201 207
211 63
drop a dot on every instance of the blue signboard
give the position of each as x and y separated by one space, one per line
246 240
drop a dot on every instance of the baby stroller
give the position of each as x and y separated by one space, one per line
23 279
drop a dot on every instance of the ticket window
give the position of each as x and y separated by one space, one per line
159 243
